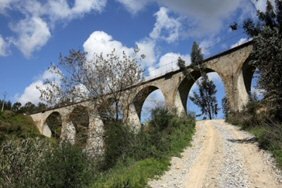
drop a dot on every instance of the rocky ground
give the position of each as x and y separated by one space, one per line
221 156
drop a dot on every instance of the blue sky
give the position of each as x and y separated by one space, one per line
33 33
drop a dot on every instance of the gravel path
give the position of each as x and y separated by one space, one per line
221 156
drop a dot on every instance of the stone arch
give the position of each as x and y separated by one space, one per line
52 126
186 84
248 71
141 96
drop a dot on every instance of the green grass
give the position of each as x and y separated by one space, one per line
134 173
16 125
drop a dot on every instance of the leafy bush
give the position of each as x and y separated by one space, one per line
35 162
131 158
66 166
20 161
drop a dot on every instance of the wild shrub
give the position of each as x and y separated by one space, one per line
66 166
35 162
140 156
20 161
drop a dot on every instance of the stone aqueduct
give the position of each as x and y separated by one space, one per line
232 66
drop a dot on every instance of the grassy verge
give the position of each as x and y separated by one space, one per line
166 136
267 132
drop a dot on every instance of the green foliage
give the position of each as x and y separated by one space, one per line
16 125
66 166
196 54
135 157
135 175
130 160
267 55
35 162
20 161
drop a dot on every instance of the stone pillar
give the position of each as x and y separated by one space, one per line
173 101
132 118
180 109
68 130
95 142
236 91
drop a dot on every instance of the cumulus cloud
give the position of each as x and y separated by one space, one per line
100 42
34 30
3 47
32 34
203 16
31 93
60 9
167 63
166 28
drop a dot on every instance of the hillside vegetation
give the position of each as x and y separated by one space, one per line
130 159
16 125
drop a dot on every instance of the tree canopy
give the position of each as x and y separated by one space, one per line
267 54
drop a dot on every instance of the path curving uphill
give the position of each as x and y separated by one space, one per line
221 156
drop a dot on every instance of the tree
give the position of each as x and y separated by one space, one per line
16 107
196 54
105 78
205 98
267 54
29 108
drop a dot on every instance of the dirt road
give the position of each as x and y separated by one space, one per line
221 156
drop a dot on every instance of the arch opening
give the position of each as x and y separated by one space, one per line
80 120
111 110
251 77
54 122
146 100
189 87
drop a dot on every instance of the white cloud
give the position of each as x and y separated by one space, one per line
33 30
100 42
32 34
147 47
167 63
31 93
201 15
60 9
5 4
3 47
166 28
134 6
241 41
